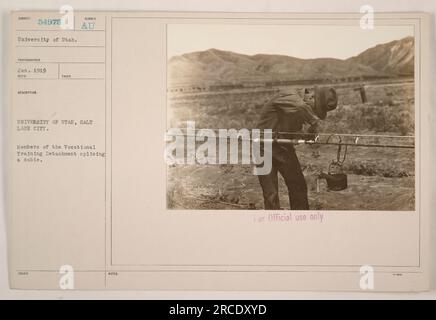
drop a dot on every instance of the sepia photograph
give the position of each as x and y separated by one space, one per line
268 152
329 111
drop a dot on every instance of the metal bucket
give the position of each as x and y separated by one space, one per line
337 181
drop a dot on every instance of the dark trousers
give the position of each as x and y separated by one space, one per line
285 161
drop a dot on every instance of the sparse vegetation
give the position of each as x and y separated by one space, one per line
379 179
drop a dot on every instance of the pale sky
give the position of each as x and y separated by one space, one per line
300 41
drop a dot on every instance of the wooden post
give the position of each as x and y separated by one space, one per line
363 94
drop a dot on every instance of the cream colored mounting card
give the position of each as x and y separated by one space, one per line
125 172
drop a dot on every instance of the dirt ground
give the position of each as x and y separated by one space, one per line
235 187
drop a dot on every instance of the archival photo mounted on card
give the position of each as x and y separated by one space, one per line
219 151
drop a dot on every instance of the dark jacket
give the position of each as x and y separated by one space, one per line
287 111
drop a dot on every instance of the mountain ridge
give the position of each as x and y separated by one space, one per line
392 59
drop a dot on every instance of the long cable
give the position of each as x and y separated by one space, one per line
309 142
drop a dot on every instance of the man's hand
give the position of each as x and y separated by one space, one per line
312 132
